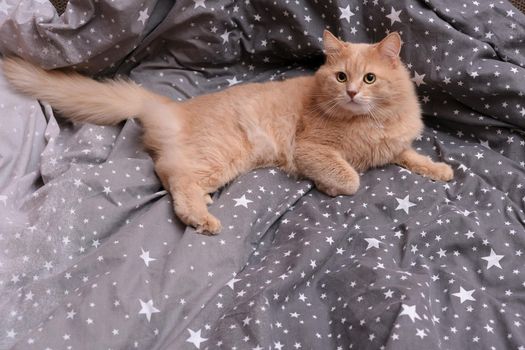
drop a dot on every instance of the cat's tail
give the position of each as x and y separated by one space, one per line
78 97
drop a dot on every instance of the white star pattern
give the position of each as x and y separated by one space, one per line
147 309
225 36
199 3
464 295
404 204
242 201
145 256
346 13
418 79
394 16
143 16
372 243
233 81
195 338
493 259
231 283
410 311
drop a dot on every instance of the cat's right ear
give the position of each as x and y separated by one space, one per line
331 44
390 47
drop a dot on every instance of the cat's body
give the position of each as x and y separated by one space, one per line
321 127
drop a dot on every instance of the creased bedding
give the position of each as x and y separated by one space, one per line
92 256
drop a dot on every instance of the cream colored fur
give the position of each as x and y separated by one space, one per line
308 126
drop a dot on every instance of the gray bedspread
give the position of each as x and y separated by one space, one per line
92 257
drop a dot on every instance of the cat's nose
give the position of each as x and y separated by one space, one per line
351 93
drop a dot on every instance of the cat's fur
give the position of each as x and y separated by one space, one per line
307 126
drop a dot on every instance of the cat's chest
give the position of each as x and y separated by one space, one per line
371 146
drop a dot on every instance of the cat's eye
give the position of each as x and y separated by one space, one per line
341 77
369 78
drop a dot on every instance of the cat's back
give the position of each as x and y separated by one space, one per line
272 97
264 99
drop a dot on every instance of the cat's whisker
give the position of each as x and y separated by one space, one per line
375 97
326 105
382 112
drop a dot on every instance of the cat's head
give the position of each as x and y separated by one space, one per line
361 78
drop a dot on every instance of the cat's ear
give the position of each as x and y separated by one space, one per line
390 47
331 44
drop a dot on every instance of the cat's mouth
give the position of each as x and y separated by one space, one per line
354 106
353 103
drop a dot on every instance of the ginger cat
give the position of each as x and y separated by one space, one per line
359 110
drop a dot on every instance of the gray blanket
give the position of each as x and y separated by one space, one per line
92 257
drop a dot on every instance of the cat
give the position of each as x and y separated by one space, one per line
358 110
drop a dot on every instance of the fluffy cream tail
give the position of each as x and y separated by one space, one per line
80 98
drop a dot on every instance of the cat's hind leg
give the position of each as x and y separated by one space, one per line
190 204
190 199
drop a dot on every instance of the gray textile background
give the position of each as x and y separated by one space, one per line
92 257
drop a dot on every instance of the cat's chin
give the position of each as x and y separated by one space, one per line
354 108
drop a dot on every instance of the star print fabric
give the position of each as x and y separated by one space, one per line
92 256
90 35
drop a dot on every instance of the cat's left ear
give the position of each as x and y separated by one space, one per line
390 47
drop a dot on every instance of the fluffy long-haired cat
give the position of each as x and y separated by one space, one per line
359 110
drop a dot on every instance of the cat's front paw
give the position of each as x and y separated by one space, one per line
349 188
442 172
